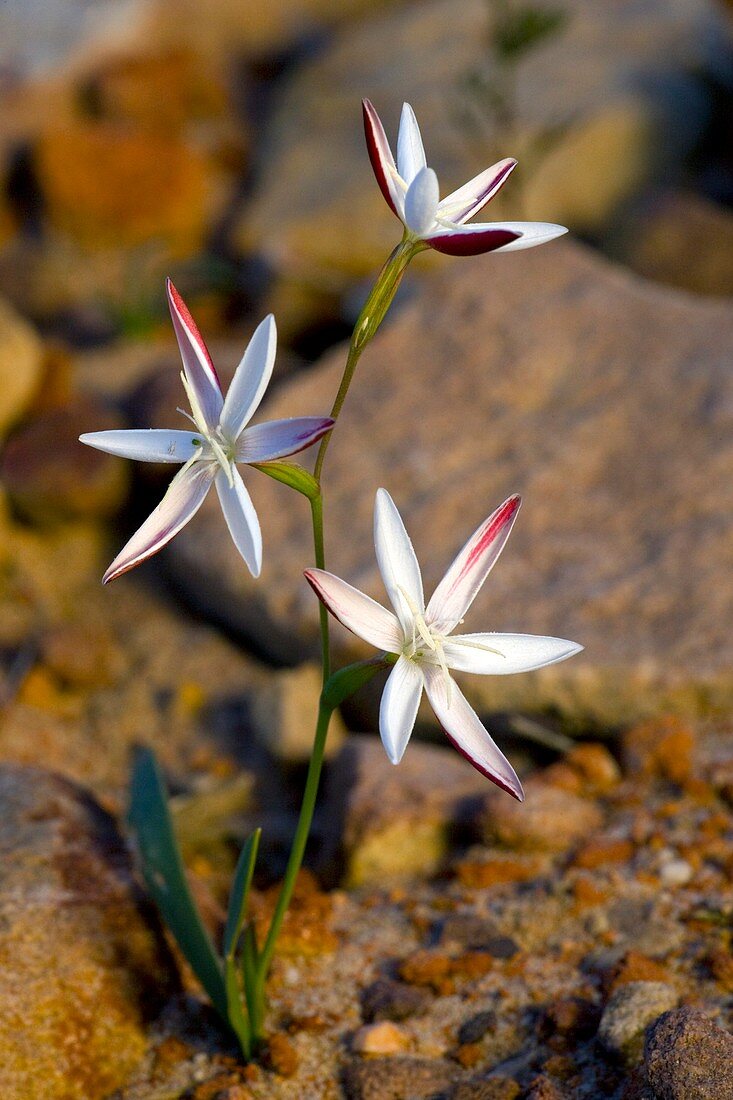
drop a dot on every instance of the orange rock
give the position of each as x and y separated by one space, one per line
306 928
601 851
635 967
158 91
108 185
587 894
468 1054
720 962
282 1056
381 1038
661 748
596 766
479 874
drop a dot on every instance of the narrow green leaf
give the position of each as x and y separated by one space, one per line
165 877
240 890
236 1014
289 473
347 680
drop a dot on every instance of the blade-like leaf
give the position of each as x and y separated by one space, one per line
289 473
347 680
240 890
165 877
238 1019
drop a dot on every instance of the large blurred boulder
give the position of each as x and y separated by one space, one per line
248 27
611 100
82 964
606 402
21 362
678 238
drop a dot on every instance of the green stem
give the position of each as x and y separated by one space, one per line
298 850
367 324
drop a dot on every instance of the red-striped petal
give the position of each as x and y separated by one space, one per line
380 155
460 585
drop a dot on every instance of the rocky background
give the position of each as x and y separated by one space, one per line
446 942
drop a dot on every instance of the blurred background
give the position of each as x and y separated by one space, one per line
220 142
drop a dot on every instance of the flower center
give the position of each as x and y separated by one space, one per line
218 446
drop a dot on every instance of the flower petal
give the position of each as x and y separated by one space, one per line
421 202
397 562
280 438
356 611
185 496
380 156
146 444
474 239
473 196
398 709
464 729
458 588
501 654
197 362
251 378
410 150
242 521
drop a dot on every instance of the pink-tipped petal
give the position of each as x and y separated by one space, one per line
197 362
464 729
421 202
397 562
251 378
471 240
410 149
398 709
279 438
241 519
503 654
476 238
186 494
146 444
466 201
458 588
359 613
380 156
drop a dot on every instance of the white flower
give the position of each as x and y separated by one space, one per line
411 191
209 450
423 641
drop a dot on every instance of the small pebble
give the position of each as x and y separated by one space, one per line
631 1008
476 1027
677 872
382 1038
390 1000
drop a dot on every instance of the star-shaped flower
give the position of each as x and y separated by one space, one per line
422 637
411 191
218 439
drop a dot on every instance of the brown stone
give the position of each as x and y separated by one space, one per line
50 476
602 851
395 823
688 1057
546 385
82 965
549 819
678 238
